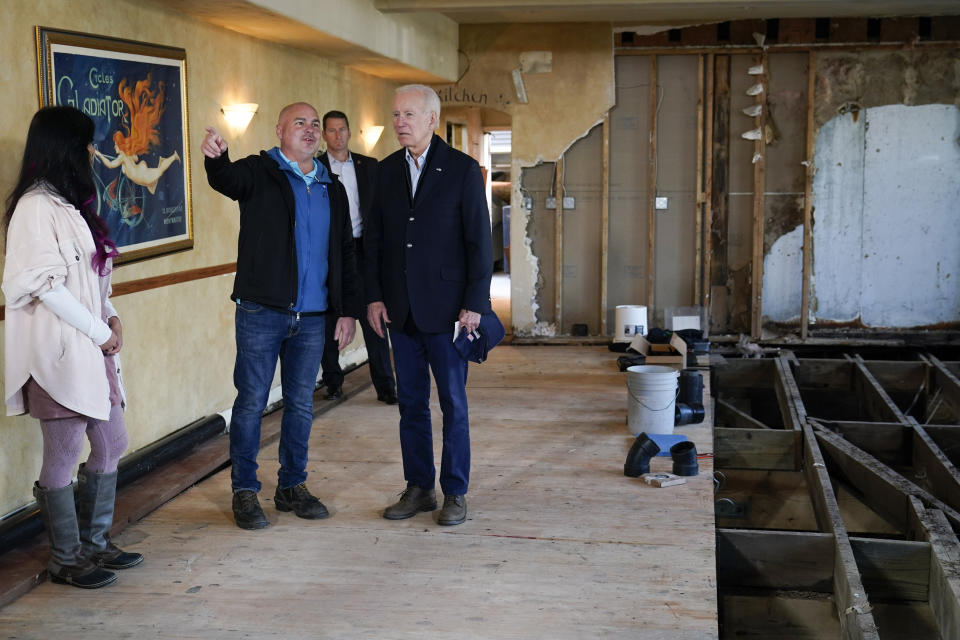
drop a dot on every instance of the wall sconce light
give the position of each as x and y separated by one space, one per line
238 116
371 135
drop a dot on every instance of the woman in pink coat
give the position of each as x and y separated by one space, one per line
62 339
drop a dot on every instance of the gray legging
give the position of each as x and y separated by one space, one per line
63 443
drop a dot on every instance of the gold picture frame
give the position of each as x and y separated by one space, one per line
136 94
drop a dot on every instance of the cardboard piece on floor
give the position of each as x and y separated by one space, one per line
671 355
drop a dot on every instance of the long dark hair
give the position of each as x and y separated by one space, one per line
56 154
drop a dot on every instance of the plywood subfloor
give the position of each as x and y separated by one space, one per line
558 544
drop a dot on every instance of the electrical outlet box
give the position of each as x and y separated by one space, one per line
528 203
551 202
661 203
569 202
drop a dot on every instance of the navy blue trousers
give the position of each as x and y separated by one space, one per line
415 355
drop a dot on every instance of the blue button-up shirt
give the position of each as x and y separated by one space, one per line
311 230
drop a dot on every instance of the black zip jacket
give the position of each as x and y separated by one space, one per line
266 248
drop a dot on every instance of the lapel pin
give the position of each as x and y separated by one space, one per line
439 169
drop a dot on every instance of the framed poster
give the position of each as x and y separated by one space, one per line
136 94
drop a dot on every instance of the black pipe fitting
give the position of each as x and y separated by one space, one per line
689 406
688 414
638 460
691 387
684 456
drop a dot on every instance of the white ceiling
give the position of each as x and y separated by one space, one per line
301 23
647 12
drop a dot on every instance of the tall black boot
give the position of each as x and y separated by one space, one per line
96 495
67 563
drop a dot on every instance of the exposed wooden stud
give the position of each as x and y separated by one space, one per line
558 248
883 489
698 276
707 197
807 196
944 596
876 400
719 198
653 100
759 202
604 223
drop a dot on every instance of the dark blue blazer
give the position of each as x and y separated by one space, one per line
429 255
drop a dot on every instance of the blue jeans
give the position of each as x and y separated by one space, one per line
415 356
263 336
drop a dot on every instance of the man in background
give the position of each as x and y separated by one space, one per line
358 174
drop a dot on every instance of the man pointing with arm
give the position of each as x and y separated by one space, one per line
295 272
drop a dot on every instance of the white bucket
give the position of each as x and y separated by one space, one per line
630 320
652 392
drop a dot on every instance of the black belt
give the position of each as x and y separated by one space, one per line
299 314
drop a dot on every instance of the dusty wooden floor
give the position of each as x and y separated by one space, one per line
558 544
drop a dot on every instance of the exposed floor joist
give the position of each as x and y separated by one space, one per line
867 461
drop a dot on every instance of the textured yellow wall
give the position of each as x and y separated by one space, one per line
563 105
178 340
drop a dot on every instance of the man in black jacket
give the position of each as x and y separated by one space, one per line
427 266
358 174
295 272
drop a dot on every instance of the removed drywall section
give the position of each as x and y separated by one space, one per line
582 182
886 247
629 163
676 179
786 106
673 169
562 106
537 184
864 79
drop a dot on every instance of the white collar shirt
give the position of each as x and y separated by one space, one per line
416 168
348 177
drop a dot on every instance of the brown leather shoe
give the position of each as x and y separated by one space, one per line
454 510
412 501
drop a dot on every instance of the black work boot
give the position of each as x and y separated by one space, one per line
454 510
67 564
247 512
412 501
299 500
96 495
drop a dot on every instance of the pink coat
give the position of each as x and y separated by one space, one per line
49 243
